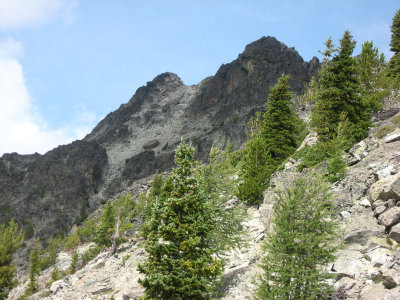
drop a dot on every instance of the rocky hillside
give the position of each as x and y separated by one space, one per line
367 206
51 192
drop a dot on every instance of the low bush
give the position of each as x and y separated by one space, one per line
90 254
396 120
383 131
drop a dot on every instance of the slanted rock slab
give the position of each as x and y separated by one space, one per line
392 138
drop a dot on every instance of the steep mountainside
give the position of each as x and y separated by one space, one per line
367 206
53 191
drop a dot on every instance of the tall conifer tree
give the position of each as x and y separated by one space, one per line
340 94
11 238
302 240
279 122
394 63
181 263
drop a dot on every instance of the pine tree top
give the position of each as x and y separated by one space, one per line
395 28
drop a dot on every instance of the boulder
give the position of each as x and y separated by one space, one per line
391 203
365 202
378 256
151 144
390 278
385 189
345 214
390 217
360 228
379 210
378 203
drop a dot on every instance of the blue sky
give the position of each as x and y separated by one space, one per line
65 64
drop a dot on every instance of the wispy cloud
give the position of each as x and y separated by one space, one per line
22 129
17 14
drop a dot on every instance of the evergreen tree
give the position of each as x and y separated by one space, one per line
301 242
11 238
339 93
370 64
74 262
272 138
180 236
257 165
311 93
34 270
106 227
278 127
394 63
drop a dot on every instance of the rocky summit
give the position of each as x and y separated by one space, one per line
50 193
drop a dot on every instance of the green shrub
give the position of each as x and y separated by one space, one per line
28 229
165 147
106 227
125 258
124 209
383 131
90 254
49 255
396 120
72 241
235 119
55 274
336 168
74 263
87 230
310 156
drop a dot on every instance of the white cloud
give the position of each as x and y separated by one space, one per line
16 14
22 129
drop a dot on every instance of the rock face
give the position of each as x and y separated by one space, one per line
49 193
53 191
